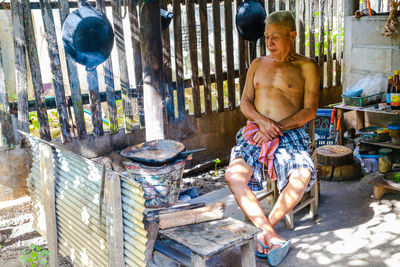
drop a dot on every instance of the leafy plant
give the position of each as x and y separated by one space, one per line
35 256
217 160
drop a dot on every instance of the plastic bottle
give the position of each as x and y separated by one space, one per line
395 94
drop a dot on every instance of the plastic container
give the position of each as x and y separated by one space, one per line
374 134
362 101
394 132
161 184
385 160
322 123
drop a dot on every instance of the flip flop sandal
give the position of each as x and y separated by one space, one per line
276 256
261 255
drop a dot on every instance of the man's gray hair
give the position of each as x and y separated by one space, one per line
284 17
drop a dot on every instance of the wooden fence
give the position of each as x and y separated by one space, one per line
320 25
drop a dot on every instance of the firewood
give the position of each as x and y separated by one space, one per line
204 214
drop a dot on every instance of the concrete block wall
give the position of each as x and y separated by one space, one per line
366 50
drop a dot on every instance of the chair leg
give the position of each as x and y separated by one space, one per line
289 220
314 204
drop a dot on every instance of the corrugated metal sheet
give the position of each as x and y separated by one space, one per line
80 234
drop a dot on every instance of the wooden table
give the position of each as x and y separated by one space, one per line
204 240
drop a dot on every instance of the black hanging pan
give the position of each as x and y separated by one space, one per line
157 152
250 20
88 36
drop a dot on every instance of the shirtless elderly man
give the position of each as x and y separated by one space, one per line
279 98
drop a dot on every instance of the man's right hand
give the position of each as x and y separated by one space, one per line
270 128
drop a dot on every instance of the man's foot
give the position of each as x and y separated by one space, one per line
278 252
262 248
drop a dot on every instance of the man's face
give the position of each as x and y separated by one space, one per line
279 39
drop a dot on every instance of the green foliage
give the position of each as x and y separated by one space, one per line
217 160
35 256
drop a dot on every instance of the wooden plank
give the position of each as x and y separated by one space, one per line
302 27
218 54
94 100
242 57
198 261
262 39
44 129
55 63
123 68
292 8
339 46
282 5
322 5
151 52
49 200
205 55
113 206
193 57
248 252
7 139
137 58
180 89
312 28
73 77
166 49
229 55
109 83
329 45
271 6
20 65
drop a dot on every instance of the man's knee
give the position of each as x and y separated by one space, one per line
237 174
300 177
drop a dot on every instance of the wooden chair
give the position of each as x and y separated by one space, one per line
311 198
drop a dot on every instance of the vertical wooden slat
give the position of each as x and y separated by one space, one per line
312 29
109 82
218 54
94 100
193 57
47 175
7 139
74 83
205 56
339 44
20 65
271 6
282 5
262 39
329 45
36 75
252 49
229 55
321 42
166 48
292 8
137 58
50 31
180 90
242 58
302 27
123 68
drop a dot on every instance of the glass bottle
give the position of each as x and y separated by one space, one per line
385 160
395 94
389 90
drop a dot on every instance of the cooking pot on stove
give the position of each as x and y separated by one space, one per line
158 152
88 36
250 20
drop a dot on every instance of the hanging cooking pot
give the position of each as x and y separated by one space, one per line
157 152
88 36
250 20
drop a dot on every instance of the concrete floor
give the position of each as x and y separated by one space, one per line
352 229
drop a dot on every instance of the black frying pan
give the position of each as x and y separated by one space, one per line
157 152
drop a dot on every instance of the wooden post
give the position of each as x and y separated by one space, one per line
198 261
340 113
7 139
94 100
360 119
218 54
351 6
153 87
115 232
229 55
20 65
302 27
48 185
329 68
321 60
248 252
242 58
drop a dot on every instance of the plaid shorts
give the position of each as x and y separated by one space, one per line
291 154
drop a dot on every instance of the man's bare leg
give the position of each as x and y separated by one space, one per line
237 176
291 195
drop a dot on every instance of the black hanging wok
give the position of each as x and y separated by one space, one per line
157 152
88 36
250 20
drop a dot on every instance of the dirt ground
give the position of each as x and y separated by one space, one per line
16 221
